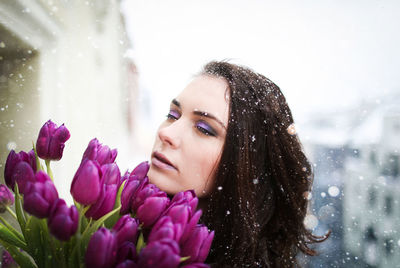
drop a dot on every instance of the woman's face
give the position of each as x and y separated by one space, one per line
189 142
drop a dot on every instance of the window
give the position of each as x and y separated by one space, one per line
388 205
388 246
372 196
391 166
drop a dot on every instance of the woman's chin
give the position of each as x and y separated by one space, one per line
161 181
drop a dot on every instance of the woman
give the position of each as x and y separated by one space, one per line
229 136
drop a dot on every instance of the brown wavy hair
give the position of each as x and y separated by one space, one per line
258 203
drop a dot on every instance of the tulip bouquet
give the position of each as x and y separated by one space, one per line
116 221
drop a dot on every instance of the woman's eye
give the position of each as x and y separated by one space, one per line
205 129
174 115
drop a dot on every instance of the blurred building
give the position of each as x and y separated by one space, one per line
356 191
372 187
66 61
324 138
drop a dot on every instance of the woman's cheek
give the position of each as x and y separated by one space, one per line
210 162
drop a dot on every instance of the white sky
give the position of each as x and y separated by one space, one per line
324 55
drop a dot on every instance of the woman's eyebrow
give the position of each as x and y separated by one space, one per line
176 102
200 113
208 115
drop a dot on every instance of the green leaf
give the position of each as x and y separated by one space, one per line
84 223
51 246
9 237
12 229
77 205
21 258
140 243
184 258
38 164
110 222
81 242
49 172
19 209
33 237
74 249
87 234
118 198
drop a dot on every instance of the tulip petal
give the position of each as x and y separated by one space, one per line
63 220
91 150
101 250
85 187
162 254
23 175
151 210
205 248
141 170
110 174
189 227
129 189
51 141
126 229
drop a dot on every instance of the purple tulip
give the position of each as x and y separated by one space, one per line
63 220
13 160
180 214
186 197
6 198
110 174
86 185
127 264
102 249
104 203
148 190
160 254
151 210
196 265
132 185
126 229
126 251
40 196
24 176
141 170
100 153
190 226
165 228
7 260
198 244
126 175
51 141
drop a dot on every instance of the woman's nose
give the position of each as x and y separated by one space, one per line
170 135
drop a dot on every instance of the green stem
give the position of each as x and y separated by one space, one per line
12 229
65 248
82 211
87 227
21 258
38 165
140 243
7 235
55 247
49 172
184 258
75 254
11 212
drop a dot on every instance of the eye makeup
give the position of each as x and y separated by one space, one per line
206 129
173 114
202 126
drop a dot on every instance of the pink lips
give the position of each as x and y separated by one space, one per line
162 162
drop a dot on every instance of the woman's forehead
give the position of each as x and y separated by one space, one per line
205 88
205 93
